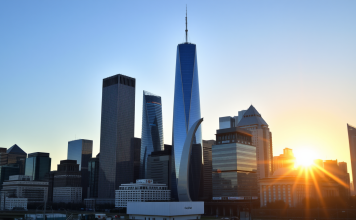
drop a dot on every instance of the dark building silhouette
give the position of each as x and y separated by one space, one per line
13 155
136 148
38 165
81 151
117 129
195 172
351 130
207 170
159 166
8 170
93 168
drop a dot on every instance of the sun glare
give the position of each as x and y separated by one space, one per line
304 157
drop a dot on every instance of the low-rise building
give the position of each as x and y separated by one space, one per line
144 190
11 203
21 186
67 194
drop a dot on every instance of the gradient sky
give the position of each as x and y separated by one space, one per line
293 60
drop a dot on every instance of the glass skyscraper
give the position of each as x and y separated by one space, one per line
352 142
81 151
117 130
38 165
152 129
186 109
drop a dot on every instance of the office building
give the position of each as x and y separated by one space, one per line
195 172
159 166
261 139
234 165
152 129
7 203
295 187
337 172
207 170
38 165
13 155
144 190
81 151
186 110
226 122
8 170
117 130
93 168
67 182
20 186
352 143
285 160
136 147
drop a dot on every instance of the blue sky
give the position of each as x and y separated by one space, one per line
293 60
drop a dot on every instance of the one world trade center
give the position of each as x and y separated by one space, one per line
186 109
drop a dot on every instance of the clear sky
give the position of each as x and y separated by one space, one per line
293 60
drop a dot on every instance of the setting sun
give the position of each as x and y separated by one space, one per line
304 157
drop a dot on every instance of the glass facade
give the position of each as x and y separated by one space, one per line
81 151
93 168
38 165
117 130
186 109
234 170
8 170
152 129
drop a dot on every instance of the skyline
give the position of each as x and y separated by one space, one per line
303 69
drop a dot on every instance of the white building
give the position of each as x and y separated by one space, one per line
67 194
7 203
21 186
143 190
165 210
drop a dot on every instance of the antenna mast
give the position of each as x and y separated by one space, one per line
186 24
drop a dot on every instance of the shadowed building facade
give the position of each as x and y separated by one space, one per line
352 143
38 166
152 129
117 129
81 151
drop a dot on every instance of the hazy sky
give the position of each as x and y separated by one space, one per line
293 60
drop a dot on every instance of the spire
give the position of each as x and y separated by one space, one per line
186 24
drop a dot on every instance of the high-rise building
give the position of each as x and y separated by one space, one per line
13 155
8 170
262 139
136 148
207 170
234 165
67 182
81 151
117 129
93 169
285 160
195 172
186 110
159 166
152 129
352 143
38 165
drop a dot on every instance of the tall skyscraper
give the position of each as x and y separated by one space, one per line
117 129
136 148
152 129
186 109
38 165
13 155
262 140
93 169
81 151
352 142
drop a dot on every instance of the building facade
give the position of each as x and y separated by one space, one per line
152 129
38 165
20 186
262 140
234 165
285 160
136 147
13 155
81 151
93 168
8 170
159 166
186 110
207 170
143 190
117 130
67 182
352 143
7 203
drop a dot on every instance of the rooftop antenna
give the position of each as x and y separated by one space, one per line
186 24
